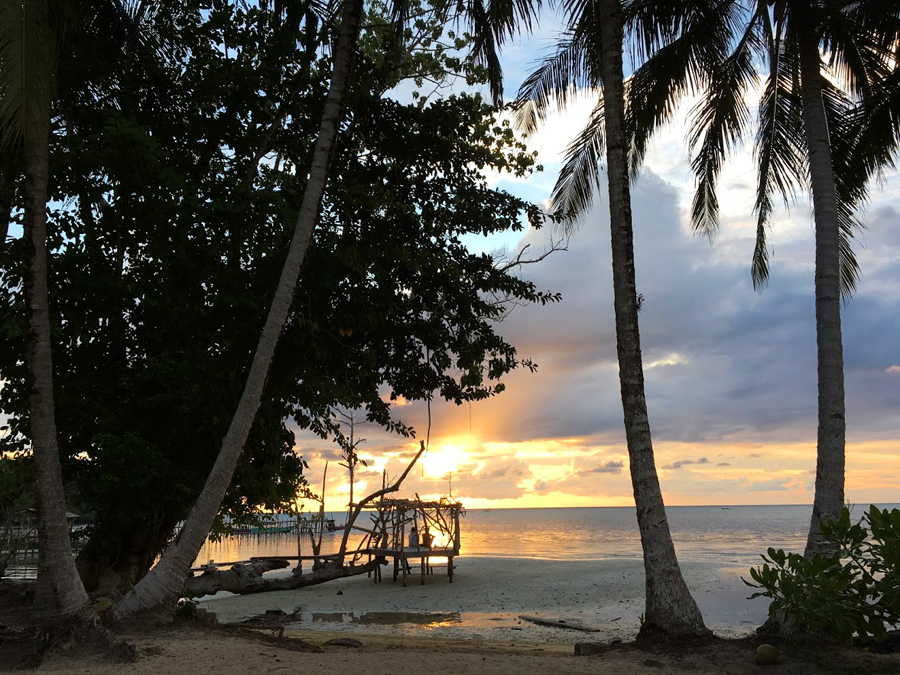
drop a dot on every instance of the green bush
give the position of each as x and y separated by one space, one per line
186 609
855 591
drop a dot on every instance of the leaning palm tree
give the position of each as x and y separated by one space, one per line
165 582
821 56
591 56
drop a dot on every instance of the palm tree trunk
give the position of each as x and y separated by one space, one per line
59 591
670 608
7 193
829 497
164 583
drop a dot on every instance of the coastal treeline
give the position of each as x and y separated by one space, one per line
227 223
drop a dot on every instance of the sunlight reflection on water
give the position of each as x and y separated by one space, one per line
701 533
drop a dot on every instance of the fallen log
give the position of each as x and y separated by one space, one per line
558 623
245 579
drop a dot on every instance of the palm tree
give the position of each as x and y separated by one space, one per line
164 583
592 55
821 56
33 34
28 52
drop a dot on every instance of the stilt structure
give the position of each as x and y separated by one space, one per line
411 531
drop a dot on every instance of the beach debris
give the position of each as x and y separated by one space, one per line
590 648
344 642
767 654
272 619
243 579
559 623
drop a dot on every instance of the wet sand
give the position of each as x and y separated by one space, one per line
488 595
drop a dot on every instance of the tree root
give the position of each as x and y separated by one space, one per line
80 634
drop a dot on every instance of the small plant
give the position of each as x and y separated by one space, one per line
855 591
186 609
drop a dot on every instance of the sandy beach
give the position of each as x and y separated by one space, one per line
488 595
471 626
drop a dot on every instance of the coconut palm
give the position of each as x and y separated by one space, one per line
28 49
821 57
591 56
33 33
164 583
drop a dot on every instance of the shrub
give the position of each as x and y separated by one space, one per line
855 591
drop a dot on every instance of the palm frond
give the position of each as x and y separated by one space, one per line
850 185
759 266
676 69
859 39
491 26
859 44
874 127
780 149
719 123
27 60
580 175
553 83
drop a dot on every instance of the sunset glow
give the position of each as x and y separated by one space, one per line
445 460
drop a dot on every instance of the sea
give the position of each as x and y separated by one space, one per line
732 534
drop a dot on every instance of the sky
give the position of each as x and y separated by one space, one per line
730 372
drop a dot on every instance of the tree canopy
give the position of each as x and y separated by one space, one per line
173 195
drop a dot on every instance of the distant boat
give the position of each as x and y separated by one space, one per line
263 529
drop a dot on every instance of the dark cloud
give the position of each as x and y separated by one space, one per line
610 467
677 465
723 464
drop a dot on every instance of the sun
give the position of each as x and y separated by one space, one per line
444 460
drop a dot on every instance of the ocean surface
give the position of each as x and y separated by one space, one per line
732 534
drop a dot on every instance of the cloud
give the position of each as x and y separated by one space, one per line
725 366
684 462
609 467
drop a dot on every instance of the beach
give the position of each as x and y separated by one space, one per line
488 595
472 626
184 649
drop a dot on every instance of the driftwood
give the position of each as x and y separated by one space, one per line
245 579
357 509
558 623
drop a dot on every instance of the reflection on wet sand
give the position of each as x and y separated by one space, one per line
424 619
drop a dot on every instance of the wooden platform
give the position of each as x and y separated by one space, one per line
411 556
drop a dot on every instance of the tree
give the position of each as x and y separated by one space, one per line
151 355
821 56
164 583
27 64
592 54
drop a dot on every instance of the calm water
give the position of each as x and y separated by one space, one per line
701 533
